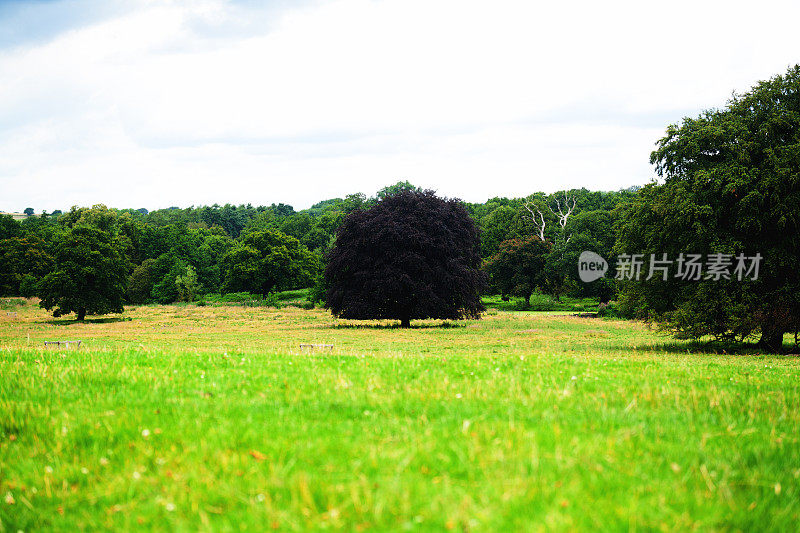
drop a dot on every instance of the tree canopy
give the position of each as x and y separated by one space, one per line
177 253
267 260
21 258
518 268
412 255
89 275
731 186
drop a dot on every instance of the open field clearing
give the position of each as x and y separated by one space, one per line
212 418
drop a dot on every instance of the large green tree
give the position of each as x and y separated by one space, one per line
518 268
264 261
89 276
731 185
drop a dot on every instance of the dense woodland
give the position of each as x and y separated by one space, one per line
179 254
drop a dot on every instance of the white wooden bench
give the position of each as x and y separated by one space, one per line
68 344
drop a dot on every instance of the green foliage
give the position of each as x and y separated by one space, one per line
9 227
731 185
22 258
233 297
540 302
186 283
265 261
29 286
98 216
518 269
89 276
316 293
396 188
501 224
615 310
291 298
167 289
141 282
561 270
199 237
307 305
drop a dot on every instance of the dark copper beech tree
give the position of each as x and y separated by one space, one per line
410 256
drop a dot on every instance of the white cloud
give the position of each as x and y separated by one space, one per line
199 102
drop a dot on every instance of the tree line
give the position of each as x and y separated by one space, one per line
176 254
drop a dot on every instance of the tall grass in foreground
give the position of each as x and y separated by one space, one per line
212 418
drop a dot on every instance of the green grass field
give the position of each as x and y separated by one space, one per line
212 418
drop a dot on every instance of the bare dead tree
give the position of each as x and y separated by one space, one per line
539 223
565 210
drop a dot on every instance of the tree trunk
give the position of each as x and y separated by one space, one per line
81 314
405 322
771 340
527 300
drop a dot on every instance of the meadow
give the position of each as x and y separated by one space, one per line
212 418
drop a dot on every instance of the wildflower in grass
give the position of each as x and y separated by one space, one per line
9 499
145 433
48 469
257 455
137 475
103 461
169 506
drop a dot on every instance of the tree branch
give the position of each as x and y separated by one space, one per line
540 224
564 211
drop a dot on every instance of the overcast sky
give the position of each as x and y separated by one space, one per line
155 103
